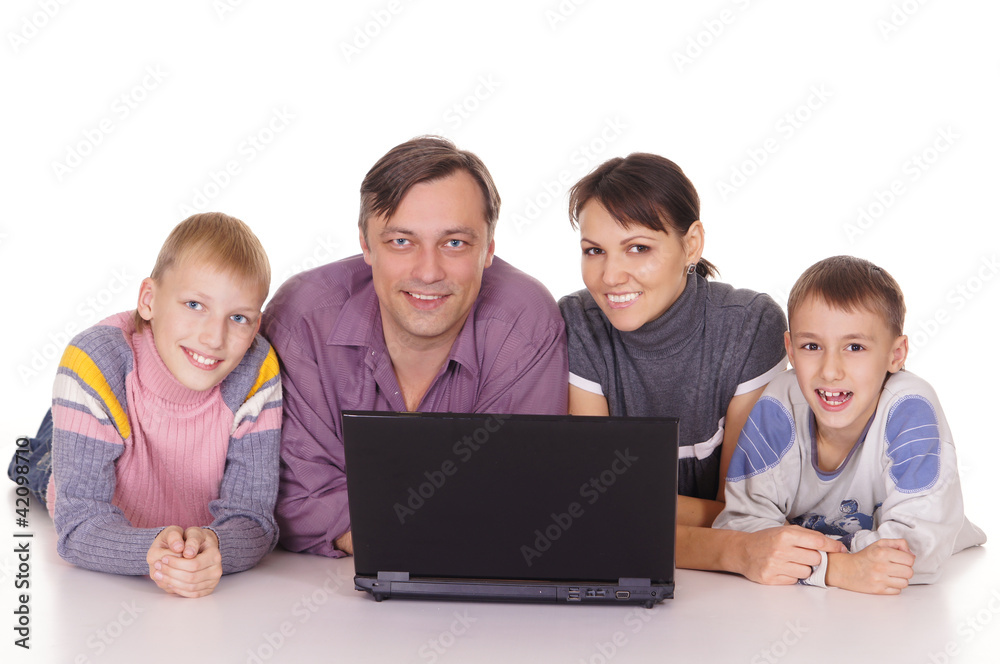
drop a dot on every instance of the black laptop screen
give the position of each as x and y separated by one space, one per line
512 497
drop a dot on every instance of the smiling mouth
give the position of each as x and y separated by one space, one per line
623 298
206 362
834 398
421 296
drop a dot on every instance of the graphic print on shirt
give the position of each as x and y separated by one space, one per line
843 526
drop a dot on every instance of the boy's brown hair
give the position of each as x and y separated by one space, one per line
222 241
851 283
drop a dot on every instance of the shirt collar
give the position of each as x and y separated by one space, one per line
670 333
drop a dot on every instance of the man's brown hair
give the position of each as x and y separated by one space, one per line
422 159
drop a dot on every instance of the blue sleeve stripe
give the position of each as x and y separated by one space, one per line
767 436
913 443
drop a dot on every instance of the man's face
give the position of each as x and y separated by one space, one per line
427 261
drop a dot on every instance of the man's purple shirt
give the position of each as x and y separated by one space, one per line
325 324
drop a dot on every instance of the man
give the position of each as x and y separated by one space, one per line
425 319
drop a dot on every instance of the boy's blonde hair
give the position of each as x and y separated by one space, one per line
851 283
220 240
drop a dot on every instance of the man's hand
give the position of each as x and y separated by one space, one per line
785 554
345 543
185 562
882 568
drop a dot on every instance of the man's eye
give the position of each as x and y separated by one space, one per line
455 244
855 347
810 346
239 318
194 306
400 241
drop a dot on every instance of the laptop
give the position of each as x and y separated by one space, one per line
512 507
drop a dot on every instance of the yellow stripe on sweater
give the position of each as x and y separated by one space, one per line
268 369
80 363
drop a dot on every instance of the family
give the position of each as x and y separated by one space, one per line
188 437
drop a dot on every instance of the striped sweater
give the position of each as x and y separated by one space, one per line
134 451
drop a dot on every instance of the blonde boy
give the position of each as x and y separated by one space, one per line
849 444
165 421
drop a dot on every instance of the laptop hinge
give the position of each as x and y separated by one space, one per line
626 581
393 576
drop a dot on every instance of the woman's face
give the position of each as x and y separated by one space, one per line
634 273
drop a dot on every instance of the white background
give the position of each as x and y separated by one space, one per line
809 111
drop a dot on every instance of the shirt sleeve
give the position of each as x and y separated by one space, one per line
585 356
243 515
90 425
311 507
764 336
757 494
763 476
923 502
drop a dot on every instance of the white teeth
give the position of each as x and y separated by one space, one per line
619 299
201 359
425 297
834 397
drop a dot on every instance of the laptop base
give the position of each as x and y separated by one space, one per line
627 591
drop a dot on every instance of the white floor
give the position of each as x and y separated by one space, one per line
301 608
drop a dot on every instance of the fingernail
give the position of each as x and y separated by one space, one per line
158 576
156 565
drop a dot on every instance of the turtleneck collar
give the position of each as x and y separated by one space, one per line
671 332
156 381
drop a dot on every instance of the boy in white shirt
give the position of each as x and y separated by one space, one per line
849 444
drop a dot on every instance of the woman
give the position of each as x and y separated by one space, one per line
652 336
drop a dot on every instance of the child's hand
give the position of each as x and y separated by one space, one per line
882 568
785 554
185 562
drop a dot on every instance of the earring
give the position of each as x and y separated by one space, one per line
691 268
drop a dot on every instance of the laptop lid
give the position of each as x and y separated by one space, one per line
515 500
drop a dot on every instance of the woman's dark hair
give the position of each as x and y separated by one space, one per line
642 189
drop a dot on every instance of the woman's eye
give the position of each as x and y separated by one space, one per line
592 251
810 346
855 347
638 249
194 306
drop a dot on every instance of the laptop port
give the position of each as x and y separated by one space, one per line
622 594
